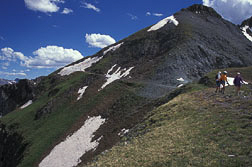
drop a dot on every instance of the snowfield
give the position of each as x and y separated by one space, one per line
244 31
163 22
118 74
81 92
82 66
26 104
69 152
112 48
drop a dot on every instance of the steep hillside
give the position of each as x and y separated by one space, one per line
198 128
81 110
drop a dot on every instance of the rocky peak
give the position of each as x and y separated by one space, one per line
198 8
247 22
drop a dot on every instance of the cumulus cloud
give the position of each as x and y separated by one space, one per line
8 54
45 57
234 10
12 73
52 57
66 11
89 6
99 40
46 6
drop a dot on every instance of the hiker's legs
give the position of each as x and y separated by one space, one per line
223 89
217 86
238 88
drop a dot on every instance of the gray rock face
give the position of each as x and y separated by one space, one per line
202 41
15 95
247 22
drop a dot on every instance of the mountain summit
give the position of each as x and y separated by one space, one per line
85 108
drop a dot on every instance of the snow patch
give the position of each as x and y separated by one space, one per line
123 132
81 92
112 48
180 85
26 104
69 152
181 79
244 31
163 22
118 74
82 66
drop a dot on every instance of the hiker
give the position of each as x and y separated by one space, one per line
218 82
238 81
224 80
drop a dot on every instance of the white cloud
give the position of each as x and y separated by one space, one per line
90 6
8 54
99 40
157 14
46 6
12 73
48 57
66 11
6 64
154 14
234 10
133 17
52 57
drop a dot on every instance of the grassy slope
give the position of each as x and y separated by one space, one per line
198 128
68 113
41 134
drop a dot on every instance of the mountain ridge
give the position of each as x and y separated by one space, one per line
124 82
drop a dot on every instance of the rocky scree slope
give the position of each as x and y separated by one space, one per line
119 85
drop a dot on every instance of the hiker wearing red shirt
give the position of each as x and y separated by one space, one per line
238 81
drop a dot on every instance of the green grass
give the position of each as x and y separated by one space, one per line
44 133
197 128
192 129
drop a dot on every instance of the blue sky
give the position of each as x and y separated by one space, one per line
39 36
